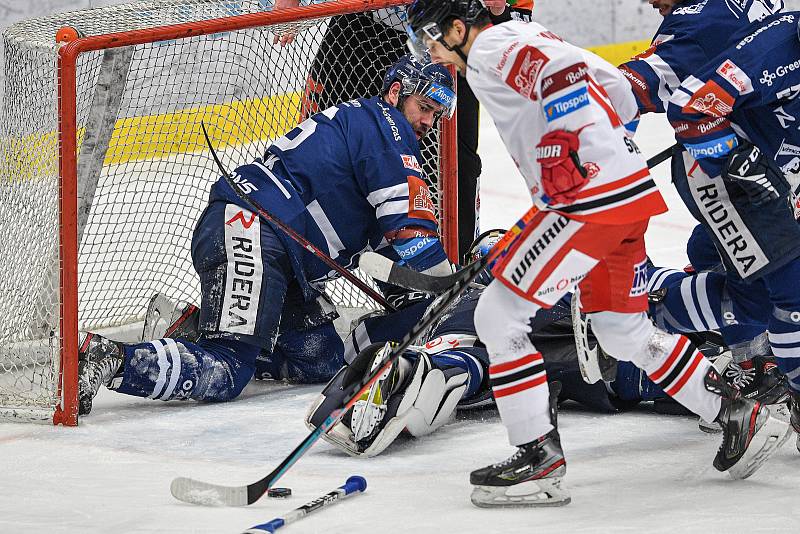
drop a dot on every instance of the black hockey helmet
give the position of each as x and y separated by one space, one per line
423 78
428 18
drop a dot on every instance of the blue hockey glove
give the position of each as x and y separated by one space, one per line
753 171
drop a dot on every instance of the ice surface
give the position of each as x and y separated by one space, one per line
627 473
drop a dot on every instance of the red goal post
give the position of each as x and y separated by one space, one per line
131 164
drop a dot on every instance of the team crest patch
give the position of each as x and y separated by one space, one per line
410 162
525 71
711 99
420 201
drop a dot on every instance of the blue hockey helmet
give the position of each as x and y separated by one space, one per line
422 78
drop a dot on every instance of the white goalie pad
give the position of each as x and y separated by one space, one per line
427 401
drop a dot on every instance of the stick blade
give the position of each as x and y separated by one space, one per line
193 491
377 266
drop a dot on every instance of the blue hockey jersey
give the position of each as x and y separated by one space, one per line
349 179
691 35
747 91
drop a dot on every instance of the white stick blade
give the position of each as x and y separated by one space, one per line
376 266
196 492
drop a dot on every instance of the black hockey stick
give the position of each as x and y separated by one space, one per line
385 270
357 380
292 233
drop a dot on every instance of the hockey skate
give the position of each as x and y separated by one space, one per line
530 477
794 411
750 435
99 361
758 379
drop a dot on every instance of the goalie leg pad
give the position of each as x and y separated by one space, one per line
425 400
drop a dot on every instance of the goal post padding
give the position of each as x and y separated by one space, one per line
105 170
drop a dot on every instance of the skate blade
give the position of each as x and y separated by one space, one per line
534 493
709 428
766 442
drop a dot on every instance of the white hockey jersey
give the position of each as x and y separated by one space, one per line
531 82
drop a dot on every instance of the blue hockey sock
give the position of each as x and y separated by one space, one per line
168 369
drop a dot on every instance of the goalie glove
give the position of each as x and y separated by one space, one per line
753 171
413 395
563 176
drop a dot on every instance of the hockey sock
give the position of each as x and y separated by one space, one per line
169 369
708 301
677 367
784 338
520 390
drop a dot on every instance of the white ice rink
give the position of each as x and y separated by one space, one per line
635 472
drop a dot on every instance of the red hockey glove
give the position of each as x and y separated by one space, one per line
563 176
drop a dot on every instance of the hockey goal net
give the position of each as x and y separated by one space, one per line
105 170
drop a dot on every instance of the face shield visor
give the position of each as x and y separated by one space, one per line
417 43
437 92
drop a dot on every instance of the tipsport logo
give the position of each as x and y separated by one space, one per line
712 149
567 104
440 94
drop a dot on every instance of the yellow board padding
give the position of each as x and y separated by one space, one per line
35 156
234 123
619 53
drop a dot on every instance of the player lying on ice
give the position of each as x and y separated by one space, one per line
596 197
448 368
349 180
712 65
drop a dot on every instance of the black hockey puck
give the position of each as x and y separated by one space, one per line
279 493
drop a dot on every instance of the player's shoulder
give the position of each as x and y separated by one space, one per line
525 46
377 124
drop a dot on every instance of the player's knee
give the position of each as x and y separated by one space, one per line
622 335
309 356
501 316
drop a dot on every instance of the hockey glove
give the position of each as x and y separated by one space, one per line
753 171
563 176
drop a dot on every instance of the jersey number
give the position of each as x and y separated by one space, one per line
307 127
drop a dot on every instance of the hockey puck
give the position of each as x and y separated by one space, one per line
279 493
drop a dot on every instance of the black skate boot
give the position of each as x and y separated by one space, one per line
99 361
758 379
530 477
794 411
750 435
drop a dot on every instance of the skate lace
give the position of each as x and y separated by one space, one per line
739 377
511 459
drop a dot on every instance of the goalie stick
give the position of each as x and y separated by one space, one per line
292 233
385 270
357 379
354 485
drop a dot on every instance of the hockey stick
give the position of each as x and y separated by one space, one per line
385 270
353 486
302 241
356 379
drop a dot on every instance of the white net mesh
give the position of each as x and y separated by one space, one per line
143 170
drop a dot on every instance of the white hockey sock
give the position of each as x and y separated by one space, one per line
522 396
679 369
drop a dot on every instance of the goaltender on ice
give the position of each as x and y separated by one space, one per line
596 197
348 179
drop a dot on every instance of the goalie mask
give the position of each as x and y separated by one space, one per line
425 79
483 244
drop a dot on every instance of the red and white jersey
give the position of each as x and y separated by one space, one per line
532 82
